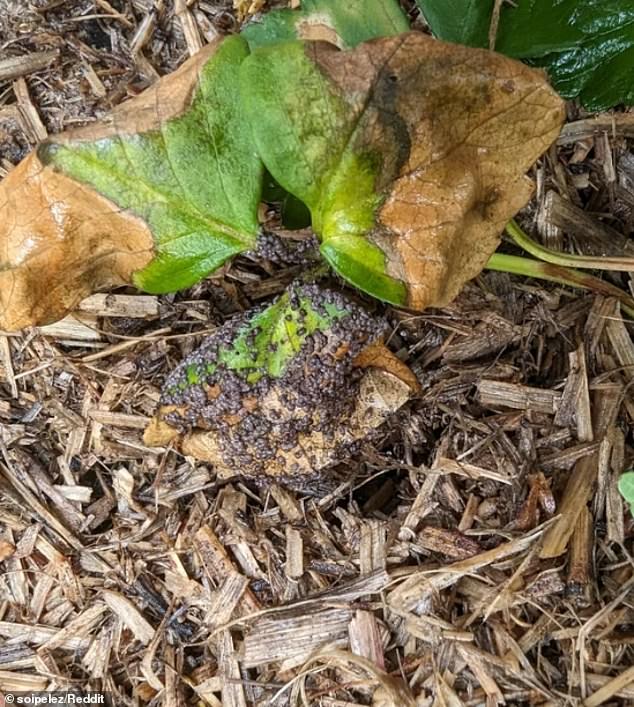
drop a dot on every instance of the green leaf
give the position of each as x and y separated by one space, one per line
409 153
586 47
460 21
265 343
346 23
195 179
286 96
626 486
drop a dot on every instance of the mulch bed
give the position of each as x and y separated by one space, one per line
477 552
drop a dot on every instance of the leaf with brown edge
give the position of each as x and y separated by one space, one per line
60 241
284 393
158 195
377 355
409 152
345 24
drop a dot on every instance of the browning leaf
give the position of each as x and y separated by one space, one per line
345 24
159 195
60 241
409 152
282 394
377 355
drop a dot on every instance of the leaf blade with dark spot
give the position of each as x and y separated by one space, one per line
410 154
195 178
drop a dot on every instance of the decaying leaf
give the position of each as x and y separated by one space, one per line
345 24
377 355
159 195
60 241
277 394
409 152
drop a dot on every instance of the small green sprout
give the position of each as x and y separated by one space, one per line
626 488
193 375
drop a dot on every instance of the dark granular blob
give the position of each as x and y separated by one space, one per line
286 251
258 417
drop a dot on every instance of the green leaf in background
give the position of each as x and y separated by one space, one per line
194 178
343 22
459 21
409 153
587 46
294 213
626 488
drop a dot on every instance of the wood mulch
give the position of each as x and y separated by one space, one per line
477 554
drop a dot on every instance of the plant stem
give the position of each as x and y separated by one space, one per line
517 265
565 259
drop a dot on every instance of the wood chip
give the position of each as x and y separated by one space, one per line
128 306
73 330
450 543
612 123
575 401
365 638
294 567
578 491
579 584
415 592
218 564
17 66
372 546
496 394
79 628
294 637
190 28
622 345
611 688
130 616
232 689
34 127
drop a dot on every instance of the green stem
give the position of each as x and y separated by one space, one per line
565 259
564 276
